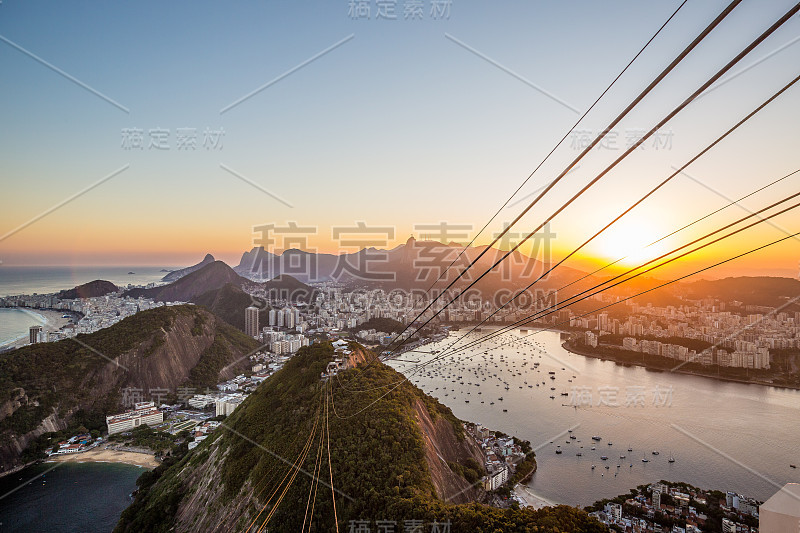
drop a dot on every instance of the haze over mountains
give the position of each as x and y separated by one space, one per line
178 274
416 265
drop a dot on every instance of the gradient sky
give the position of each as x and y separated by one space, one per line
397 126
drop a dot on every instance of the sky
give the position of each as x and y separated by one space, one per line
156 132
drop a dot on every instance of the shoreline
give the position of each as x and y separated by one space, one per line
49 319
531 499
603 357
104 455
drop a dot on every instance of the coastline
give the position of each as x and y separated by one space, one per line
530 498
49 319
143 460
603 357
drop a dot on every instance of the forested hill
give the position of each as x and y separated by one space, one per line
390 459
91 289
46 387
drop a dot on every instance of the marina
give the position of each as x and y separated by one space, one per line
608 404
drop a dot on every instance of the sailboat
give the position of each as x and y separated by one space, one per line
671 458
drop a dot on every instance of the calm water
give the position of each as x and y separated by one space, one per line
14 323
44 280
725 436
75 497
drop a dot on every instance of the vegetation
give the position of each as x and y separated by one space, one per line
146 437
229 302
89 290
377 451
207 370
65 377
55 373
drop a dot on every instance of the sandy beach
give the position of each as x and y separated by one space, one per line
531 499
103 455
49 319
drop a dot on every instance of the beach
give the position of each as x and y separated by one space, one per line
49 319
530 499
103 455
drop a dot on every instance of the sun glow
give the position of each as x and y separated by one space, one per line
631 243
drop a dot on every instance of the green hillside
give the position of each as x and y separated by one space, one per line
377 452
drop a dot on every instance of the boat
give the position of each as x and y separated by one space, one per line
630 449
592 467
595 437
655 452
505 410
558 450
792 466
578 454
645 460
622 457
604 458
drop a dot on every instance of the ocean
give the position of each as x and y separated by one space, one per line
66 497
14 323
722 435
44 280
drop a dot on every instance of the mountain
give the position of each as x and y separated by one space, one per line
413 265
52 386
92 289
229 302
178 274
286 287
211 276
760 291
394 457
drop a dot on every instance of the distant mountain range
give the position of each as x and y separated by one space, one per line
761 291
412 265
178 274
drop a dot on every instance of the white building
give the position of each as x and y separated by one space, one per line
251 321
228 403
201 401
496 479
143 413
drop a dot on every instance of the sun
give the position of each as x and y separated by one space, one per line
631 243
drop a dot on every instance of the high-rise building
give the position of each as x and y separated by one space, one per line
251 321
35 331
288 318
273 319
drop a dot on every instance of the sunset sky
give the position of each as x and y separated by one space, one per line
394 123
